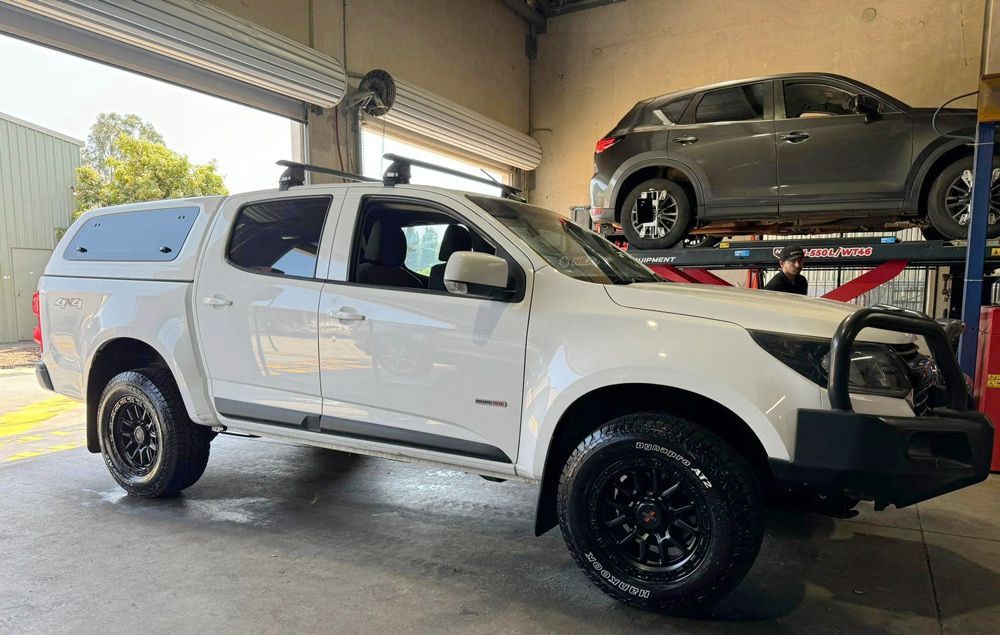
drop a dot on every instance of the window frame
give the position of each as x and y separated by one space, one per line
691 114
284 276
515 270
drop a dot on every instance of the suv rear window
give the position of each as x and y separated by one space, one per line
138 236
739 103
279 237
675 109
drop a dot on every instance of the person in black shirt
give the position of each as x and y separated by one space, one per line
789 279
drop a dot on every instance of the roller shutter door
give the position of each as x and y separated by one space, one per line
427 115
187 42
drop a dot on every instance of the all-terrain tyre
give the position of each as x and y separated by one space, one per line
670 217
149 444
950 194
660 513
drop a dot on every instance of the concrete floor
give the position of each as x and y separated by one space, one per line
279 538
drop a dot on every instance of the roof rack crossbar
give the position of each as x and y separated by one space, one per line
295 174
398 173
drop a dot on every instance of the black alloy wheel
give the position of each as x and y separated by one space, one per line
135 435
654 520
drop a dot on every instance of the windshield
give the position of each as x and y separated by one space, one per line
569 248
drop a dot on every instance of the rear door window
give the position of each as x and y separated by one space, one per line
279 237
137 236
739 103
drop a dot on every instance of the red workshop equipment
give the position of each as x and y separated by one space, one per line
987 386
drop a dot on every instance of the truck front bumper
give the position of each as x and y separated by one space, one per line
890 460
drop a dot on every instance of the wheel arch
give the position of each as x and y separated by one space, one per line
632 174
113 356
932 166
601 405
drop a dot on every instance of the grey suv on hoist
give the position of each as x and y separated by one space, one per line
796 153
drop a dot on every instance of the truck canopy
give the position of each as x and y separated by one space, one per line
158 240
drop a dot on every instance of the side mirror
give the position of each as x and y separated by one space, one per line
476 274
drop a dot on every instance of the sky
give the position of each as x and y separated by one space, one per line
65 93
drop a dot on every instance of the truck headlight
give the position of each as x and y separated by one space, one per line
875 368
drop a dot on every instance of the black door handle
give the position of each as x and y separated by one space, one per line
794 137
684 141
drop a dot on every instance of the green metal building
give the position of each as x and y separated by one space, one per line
37 172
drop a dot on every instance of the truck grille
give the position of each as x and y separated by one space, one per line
923 375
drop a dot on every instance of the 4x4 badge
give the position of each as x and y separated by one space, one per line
69 303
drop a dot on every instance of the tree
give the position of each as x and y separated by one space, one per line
106 130
135 166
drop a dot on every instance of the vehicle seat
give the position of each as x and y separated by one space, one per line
385 253
456 238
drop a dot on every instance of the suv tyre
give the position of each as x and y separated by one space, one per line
948 200
150 446
660 513
663 226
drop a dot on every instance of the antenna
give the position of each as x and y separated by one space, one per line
398 173
295 174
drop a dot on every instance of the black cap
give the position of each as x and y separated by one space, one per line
791 252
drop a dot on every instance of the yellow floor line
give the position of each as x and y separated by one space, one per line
23 455
27 418
28 454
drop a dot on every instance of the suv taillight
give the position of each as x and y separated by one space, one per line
605 143
36 308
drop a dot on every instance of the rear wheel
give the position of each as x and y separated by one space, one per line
656 214
948 202
150 446
660 513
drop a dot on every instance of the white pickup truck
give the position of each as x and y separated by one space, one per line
468 331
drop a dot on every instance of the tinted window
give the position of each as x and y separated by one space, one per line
815 100
143 235
406 244
740 103
279 237
675 109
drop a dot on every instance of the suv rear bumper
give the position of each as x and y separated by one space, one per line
891 460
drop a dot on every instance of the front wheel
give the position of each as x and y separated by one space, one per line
150 446
656 214
660 513
948 201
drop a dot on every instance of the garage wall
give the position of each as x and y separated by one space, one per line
471 52
37 171
594 65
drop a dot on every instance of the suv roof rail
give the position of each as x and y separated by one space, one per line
295 174
398 173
